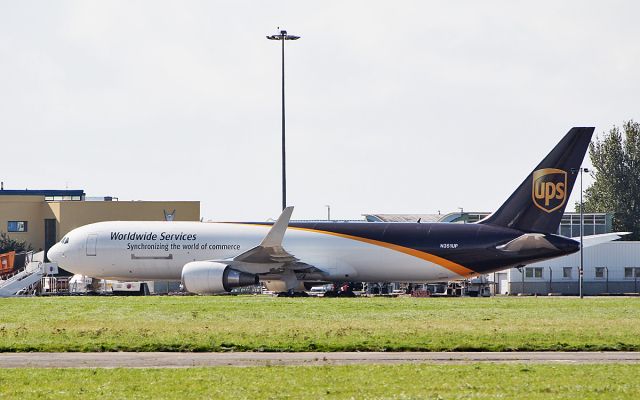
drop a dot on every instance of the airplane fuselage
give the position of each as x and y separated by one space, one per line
367 252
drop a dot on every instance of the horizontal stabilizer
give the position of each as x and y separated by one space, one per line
528 241
593 240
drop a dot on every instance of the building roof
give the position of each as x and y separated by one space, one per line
449 217
402 217
41 192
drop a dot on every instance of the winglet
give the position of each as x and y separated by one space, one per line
276 234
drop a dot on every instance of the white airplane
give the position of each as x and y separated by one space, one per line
214 258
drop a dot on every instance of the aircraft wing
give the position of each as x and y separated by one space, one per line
269 256
270 250
593 240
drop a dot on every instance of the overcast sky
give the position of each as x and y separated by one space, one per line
392 107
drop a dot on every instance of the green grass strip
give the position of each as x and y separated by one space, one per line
257 323
486 381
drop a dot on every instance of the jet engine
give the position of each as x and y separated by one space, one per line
208 277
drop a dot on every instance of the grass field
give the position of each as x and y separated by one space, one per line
486 381
257 323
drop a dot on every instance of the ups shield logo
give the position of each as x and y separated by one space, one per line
549 191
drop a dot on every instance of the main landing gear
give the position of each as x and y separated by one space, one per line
344 290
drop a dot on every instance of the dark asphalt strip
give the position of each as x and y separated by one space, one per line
183 360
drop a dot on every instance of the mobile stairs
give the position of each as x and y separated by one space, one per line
23 279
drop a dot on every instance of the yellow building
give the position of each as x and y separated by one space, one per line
43 217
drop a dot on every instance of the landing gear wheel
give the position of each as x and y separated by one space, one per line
292 294
333 293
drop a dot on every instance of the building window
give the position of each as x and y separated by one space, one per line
17 226
599 272
593 224
533 272
62 198
575 230
566 272
630 273
588 229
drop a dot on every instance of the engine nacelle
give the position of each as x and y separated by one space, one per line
207 277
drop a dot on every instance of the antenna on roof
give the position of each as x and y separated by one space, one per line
169 216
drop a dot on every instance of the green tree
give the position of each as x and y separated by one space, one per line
616 186
7 244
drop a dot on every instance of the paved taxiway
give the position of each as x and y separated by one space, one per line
182 360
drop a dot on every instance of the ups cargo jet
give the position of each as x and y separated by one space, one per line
214 258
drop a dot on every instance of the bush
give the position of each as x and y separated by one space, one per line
7 244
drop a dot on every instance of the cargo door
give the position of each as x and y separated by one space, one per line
92 242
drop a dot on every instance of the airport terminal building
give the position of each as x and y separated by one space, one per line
42 217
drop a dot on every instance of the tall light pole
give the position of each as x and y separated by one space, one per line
581 273
283 36
328 212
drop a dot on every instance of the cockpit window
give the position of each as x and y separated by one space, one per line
65 240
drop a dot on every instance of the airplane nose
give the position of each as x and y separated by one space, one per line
55 253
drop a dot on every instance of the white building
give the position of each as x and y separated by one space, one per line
612 267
